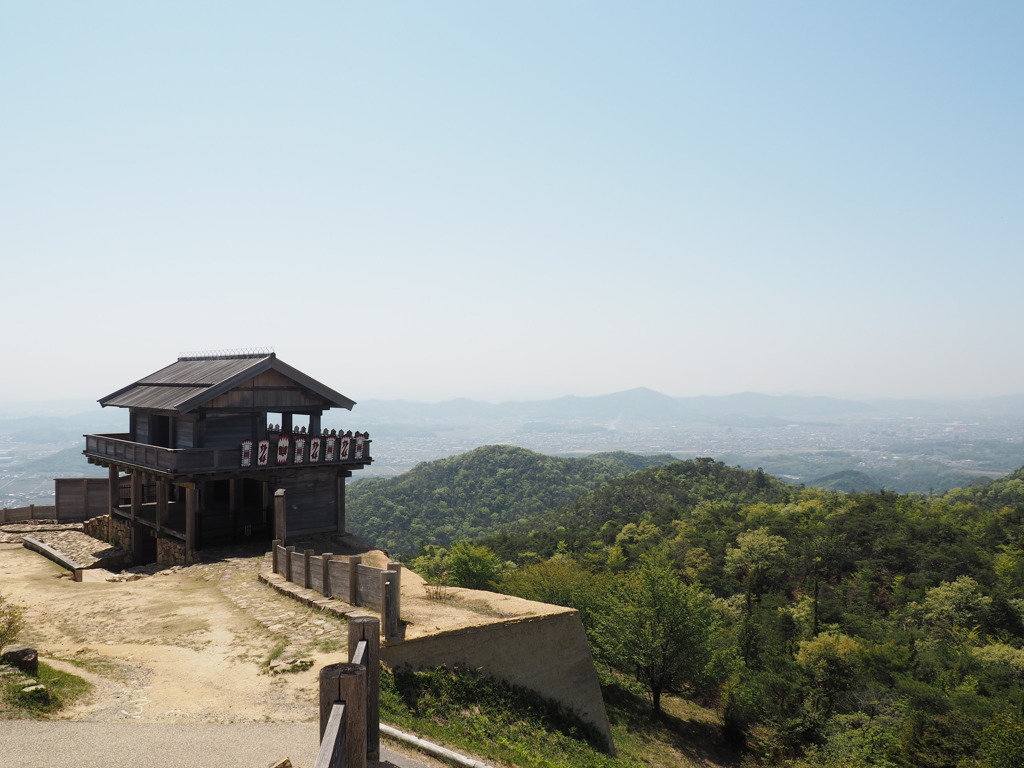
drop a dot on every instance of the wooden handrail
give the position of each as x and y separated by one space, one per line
332 746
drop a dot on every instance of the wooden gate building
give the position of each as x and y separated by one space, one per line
211 439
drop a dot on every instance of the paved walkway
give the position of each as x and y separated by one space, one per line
34 744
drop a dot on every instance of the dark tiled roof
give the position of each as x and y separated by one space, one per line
190 382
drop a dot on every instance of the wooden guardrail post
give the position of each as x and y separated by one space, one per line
353 579
368 628
280 516
346 683
307 560
393 602
325 561
288 563
276 566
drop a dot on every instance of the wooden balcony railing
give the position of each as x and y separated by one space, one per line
296 451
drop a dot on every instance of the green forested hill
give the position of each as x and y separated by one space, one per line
657 494
475 493
826 628
853 629
1005 492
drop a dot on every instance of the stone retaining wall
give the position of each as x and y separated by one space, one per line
547 654
169 550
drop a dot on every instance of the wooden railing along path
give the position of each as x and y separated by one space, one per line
345 578
350 701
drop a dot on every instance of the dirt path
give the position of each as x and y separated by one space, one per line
184 645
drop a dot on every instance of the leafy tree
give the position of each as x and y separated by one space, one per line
660 629
960 603
562 581
474 566
831 661
1002 744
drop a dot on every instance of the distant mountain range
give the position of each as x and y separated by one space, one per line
646 405
640 404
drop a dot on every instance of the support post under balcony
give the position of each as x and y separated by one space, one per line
113 487
191 507
136 494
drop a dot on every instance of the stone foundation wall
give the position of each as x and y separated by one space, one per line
97 527
119 533
170 551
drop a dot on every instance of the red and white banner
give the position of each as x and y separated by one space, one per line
282 449
300 450
359 445
346 442
331 441
314 450
247 453
263 453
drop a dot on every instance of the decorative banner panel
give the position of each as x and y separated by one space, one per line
247 453
282 449
314 450
263 453
300 450
346 442
331 441
359 446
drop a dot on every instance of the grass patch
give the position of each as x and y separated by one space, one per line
507 724
330 646
64 690
89 660
275 653
497 721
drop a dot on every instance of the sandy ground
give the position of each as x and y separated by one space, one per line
186 646
192 645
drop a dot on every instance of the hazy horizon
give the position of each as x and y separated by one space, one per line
517 202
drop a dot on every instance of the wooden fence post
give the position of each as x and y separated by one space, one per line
347 683
276 568
288 562
394 602
307 578
353 579
368 628
325 561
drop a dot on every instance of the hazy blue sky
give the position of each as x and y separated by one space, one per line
429 200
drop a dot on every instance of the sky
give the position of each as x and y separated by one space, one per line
516 200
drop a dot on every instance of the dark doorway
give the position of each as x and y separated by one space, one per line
143 545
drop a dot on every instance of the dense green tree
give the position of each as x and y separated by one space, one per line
473 566
659 629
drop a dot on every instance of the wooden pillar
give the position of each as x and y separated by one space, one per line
136 493
234 502
114 487
161 503
368 628
191 508
346 683
339 502
286 423
314 424
280 516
